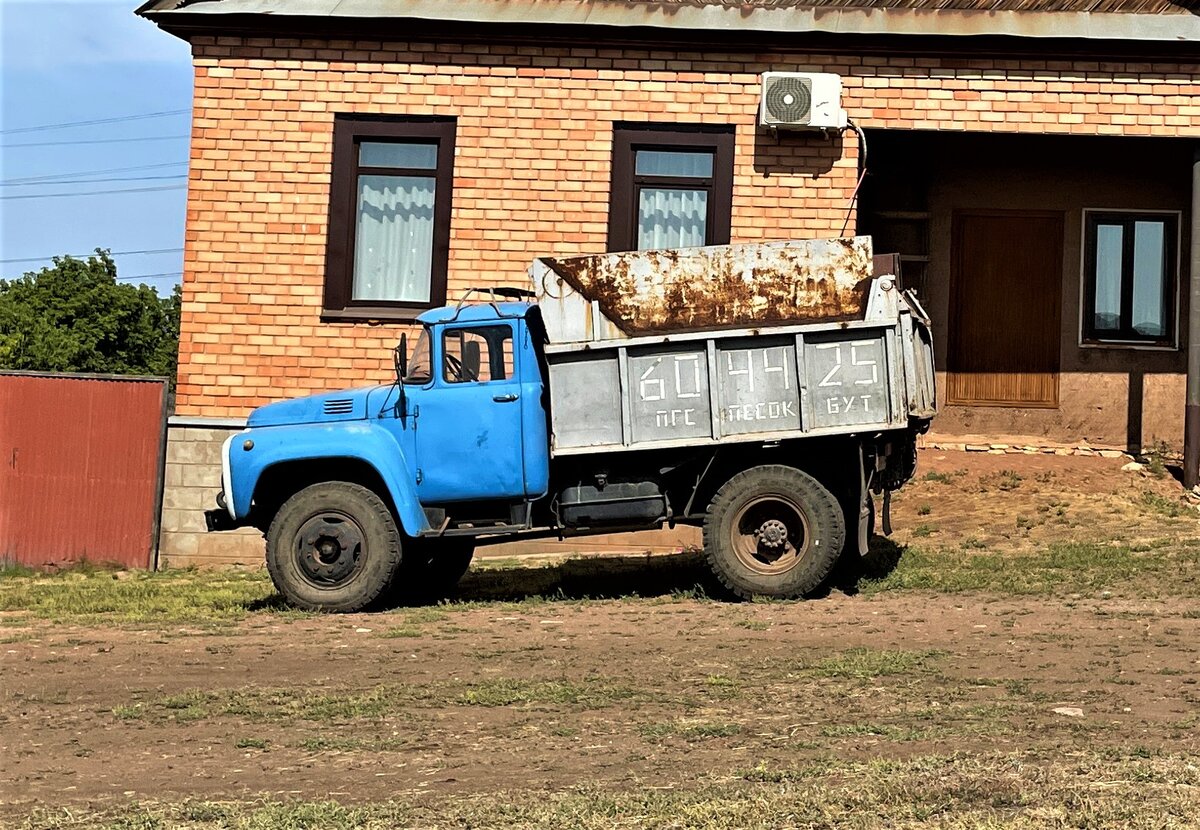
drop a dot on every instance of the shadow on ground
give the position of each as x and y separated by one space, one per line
600 577
851 571
612 577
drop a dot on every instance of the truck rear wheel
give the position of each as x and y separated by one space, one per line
333 546
773 531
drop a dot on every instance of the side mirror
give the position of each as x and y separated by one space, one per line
401 355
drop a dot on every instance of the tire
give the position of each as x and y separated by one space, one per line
752 526
431 568
333 546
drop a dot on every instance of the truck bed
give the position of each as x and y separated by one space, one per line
631 294
866 368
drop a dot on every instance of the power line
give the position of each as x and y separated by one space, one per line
94 141
114 120
152 276
94 192
93 253
93 181
24 179
162 276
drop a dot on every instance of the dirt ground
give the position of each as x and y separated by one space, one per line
525 686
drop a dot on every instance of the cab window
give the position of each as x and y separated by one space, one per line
480 354
419 370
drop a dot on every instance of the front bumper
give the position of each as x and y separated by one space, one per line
218 519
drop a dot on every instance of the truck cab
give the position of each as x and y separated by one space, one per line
473 416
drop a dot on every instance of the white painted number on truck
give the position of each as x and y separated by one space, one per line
651 389
833 376
862 370
687 379
759 373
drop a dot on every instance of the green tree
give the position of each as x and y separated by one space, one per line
76 317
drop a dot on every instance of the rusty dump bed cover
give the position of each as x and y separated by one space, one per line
617 296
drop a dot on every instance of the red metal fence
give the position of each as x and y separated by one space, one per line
81 460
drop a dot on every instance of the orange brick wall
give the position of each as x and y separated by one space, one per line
532 168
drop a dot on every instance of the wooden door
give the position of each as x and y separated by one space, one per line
1005 315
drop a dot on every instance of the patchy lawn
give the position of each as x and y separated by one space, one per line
984 672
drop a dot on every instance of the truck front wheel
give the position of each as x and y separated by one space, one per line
773 531
333 546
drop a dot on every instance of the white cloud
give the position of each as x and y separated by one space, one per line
48 34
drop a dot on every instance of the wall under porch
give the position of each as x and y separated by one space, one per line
1109 396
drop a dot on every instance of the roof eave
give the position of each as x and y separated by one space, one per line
777 20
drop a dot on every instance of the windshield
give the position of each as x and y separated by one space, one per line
420 369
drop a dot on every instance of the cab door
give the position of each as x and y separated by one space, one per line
468 435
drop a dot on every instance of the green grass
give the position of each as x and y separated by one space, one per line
403 631
285 705
88 595
1004 480
898 734
1056 569
753 625
333 743
690 731
255 705
1110 789
93 596
506 691
865 663
1164 506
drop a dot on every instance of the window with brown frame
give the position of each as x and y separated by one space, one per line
1129 277
389 216
672 186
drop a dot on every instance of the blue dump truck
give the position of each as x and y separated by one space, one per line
763 392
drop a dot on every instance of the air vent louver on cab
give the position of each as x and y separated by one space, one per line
339 406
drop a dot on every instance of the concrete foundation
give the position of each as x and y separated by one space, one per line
190 485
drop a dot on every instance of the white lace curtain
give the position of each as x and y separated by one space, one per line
393 252
671 217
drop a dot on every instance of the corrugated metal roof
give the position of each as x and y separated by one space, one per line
1102 6
398 9
1176 21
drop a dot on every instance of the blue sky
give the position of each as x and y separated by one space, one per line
89 60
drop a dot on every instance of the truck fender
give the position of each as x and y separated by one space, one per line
361 441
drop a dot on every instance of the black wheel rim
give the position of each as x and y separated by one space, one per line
770 534
329 549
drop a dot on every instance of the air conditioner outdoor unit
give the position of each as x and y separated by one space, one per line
802 101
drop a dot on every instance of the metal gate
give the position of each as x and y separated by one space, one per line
81 466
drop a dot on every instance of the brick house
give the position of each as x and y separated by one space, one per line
355 162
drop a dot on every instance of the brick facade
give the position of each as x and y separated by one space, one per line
532 168
532 177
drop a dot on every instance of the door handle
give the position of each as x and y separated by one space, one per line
509 398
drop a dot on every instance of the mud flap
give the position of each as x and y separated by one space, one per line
866 508
887 513
864 526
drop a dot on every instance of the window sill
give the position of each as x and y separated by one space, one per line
1135 345
373 314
